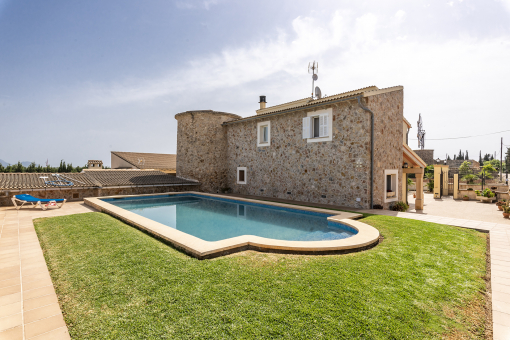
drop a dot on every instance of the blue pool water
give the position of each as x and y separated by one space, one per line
214 219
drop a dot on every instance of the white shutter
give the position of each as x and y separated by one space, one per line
306 127
323 125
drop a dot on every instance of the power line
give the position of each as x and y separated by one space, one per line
492 133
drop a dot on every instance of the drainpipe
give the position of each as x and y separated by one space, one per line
371 151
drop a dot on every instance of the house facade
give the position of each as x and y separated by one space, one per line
317 151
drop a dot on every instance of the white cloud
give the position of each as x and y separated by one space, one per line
506 4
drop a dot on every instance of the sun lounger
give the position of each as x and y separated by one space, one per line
25 198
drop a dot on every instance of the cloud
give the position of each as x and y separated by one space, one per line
353 52
506 4
193 4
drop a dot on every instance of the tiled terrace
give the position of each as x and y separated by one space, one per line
29 307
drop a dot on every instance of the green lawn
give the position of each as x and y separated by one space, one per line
424 281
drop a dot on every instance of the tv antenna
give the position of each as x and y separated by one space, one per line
313 68
421 134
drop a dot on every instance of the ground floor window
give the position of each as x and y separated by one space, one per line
241 175
391 185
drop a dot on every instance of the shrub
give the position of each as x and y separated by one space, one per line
470 189
378 206
430 185
400 206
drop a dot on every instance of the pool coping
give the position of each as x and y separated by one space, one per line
366 237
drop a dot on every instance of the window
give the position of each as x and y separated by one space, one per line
317 126
390 185
263 134
241 175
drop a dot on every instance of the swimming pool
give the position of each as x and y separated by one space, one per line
207 225
213 219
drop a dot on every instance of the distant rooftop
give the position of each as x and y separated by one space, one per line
158 161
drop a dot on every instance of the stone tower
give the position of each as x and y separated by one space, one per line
202 147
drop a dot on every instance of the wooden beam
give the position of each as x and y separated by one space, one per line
413 170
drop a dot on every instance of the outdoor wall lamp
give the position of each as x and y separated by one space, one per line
405 166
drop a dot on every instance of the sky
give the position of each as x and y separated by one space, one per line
79 79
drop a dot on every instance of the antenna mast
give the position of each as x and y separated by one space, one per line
313 68
421 134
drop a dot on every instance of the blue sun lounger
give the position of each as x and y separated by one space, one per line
25 198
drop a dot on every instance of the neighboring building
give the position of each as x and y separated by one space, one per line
91 184
95 165
307 150
427 155
139 160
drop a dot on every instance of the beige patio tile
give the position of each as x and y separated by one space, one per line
39 302
500 332
10 321
500 296
500 280
500 306
497 268
500 274
10 290
15 333
42 312
501 318
37 277
13 308
10 282
57 334
42 291
37 284
43 326
9 263
9 299
500 288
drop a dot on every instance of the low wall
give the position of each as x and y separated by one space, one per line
469 193
78 194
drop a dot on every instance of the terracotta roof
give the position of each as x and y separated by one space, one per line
94 179
152 160
34 180
132 178
303 103
95 162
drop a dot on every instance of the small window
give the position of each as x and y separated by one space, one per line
76 195
241 175
391 185
263 134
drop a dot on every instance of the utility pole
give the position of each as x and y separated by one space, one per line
501 162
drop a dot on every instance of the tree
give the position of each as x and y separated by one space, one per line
31 167
454 157
507 159
487 171
467 156
480 160
448 158
460 156
487 157
2 169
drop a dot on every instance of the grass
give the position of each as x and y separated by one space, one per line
424 281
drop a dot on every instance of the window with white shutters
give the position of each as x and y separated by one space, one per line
317 126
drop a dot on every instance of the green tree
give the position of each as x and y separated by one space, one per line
480 160
467 156
487 170
19 167
31 167
507 159
2 169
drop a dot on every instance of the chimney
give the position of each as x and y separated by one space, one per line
262 102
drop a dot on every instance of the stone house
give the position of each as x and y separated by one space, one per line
349 150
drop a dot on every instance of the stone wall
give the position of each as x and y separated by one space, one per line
201 148
426 155
388 109
69 194
291 168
